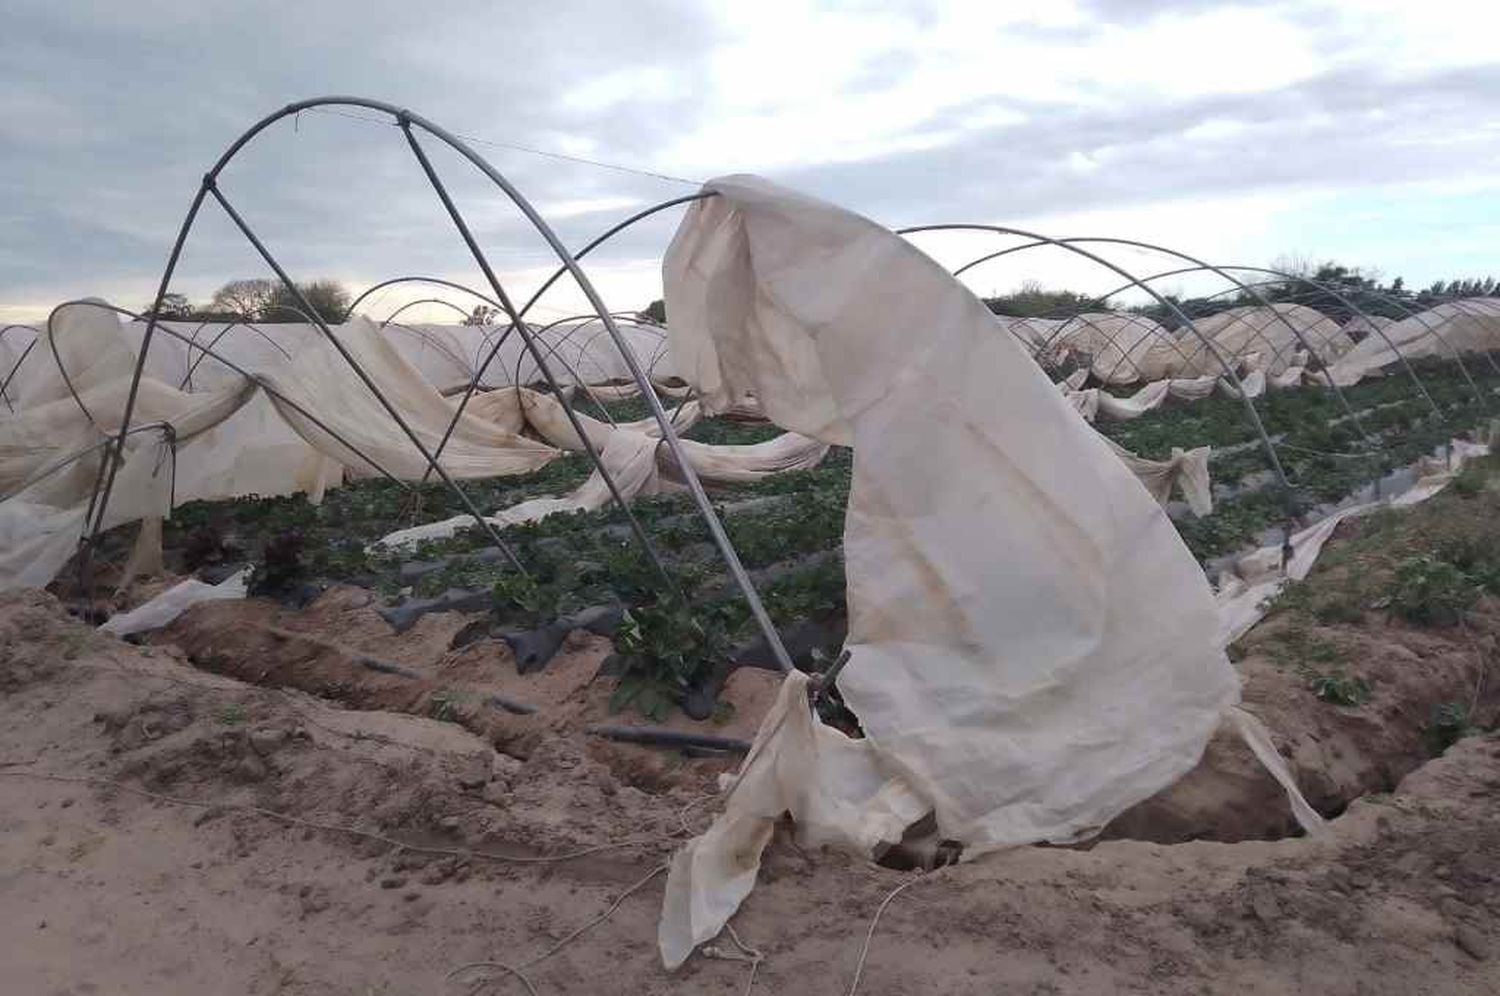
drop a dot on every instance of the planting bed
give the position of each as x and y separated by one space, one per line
290 846
594 635
1326 458
391 769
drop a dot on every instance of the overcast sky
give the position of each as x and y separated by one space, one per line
1364 131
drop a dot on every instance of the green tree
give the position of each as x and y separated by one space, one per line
329 300
246 300
174 307
1032 300
483 314
656 311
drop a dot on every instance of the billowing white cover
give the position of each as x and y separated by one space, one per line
1465 325
1269 333
1033 648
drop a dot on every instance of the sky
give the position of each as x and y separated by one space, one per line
1363 131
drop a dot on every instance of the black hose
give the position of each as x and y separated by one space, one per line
655 736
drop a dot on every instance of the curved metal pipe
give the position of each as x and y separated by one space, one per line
479 519
1463 305
405 121
77 455
425 300
428 339
1249 403
1257 331
1296 332
553 346
14 369
593 244
1322 288
413 279
1112 338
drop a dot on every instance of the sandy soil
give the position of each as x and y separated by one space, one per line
191 890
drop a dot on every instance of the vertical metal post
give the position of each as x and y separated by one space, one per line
530 341
111 465
369 383
525 308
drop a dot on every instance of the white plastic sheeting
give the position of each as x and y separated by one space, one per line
232 440
1463 326
1033 648
161 610
1122 348
299 419
1184 471
447 356
1268 333
630 458
1093 401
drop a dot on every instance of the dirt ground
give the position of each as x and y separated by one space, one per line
166 830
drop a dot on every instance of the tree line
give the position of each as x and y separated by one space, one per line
1339 291
259 300
1336 290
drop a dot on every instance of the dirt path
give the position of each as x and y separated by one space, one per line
107 891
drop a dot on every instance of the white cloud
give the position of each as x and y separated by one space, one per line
633 85
559 210
1231 129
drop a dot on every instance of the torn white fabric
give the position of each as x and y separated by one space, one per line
1271 333
1085 402
1033 648
146 558
1253 382
797 765
639 466
320 388
1466 325
547 417
1148 398
1260 575
173 602
1290 377
1258 739
630 458
1185 471
721 464
1435 474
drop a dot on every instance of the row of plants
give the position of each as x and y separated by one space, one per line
1426 567
786 528
1326 454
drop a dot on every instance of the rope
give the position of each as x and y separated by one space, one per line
519 971
367 119
745 953
864 951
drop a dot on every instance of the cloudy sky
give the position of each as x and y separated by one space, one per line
1365 131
